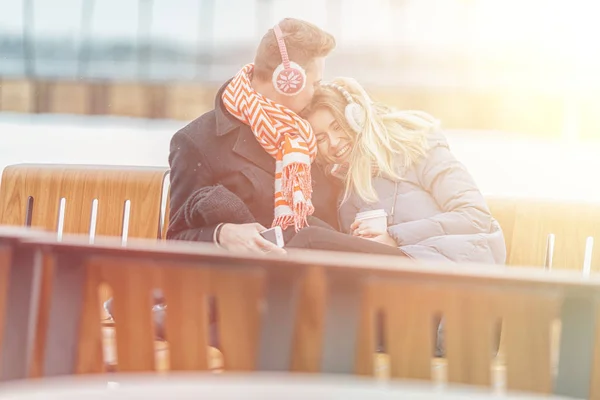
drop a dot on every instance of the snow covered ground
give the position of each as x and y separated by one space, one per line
502 163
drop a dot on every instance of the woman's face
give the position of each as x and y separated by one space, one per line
333 143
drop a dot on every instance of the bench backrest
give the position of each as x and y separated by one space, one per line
127 199
32 193
528 223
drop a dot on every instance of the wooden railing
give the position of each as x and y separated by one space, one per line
260 326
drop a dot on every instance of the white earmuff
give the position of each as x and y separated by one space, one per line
354 112
355 115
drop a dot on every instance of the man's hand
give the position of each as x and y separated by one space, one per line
246 238
363 230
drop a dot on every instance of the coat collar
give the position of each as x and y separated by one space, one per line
246 144
226 123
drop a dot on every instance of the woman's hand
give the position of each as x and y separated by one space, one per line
363 230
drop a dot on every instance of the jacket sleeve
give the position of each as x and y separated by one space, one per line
190 172
347 213
464 210
325 197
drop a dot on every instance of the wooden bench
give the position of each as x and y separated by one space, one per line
256 308
528 231
76 199
526 222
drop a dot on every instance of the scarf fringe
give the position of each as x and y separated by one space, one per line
301 212
296 176
284 221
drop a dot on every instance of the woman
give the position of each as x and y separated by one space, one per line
400 161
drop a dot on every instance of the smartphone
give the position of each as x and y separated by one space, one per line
274 235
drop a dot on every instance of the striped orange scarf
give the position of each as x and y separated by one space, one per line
286 137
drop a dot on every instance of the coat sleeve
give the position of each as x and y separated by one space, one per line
190 172
325 196
347 213
464 210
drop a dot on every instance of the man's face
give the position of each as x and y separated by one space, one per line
314 74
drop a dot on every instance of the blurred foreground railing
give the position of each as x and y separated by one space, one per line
261 325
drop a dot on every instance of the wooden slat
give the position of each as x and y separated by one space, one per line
69 97
41 100
166 212
21 307
90 356
367 332
132 288
5 257
239 299
528 319
17 96
37 362
408 328
186 292
595 385
98 97
188 101
310 320
157 101
128 99
470 315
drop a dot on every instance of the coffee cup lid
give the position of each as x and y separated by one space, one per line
371 214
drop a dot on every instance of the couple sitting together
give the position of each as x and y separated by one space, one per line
282 148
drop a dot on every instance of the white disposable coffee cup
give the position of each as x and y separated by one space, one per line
375 219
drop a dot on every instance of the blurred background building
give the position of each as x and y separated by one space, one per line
527 66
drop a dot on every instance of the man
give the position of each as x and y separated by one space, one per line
226 163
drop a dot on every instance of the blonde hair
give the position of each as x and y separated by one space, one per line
391 140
